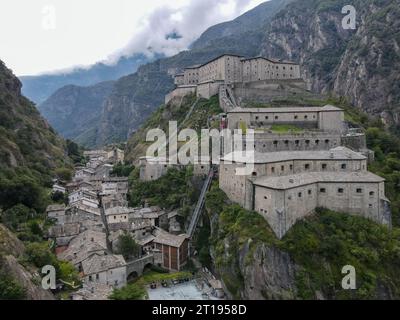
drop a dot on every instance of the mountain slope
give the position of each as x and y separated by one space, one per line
362 65
26 139
306 31
39 88
248 22
71 110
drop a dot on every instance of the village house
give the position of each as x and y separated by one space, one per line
118 214
115 185
84 197
64 233
56 212
83 246
174 249
105 269
58 188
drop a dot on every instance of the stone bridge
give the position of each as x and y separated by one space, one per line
136 267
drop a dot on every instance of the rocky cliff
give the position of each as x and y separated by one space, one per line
26 139
307 263
362 64
11 249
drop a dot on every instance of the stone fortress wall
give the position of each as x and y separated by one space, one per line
304 157
229 69
287 186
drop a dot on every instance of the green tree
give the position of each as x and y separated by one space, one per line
64 174
10 289
17 215
40 255
127 246
134 291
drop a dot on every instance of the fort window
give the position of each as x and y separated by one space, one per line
305 117
286 142
254 174
97 277
327 141
282 168
276 117
340 190
343 166
307 142
300 194
291 167
370 206
266 117
307 166
273 169
275 143
372 194
324 166
265 197
297 142
309 192
317 142
322 190
296 117
359 190
256 118
90 278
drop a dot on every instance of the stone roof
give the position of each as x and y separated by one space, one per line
145 240
338 153
118 210
65 230
164 237
84 245
306 178
285 109
138 225
55 207
99 263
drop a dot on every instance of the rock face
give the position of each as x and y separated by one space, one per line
76 111
271 275
362 64
26 139
10 249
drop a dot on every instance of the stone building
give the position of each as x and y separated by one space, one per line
174 249
327 118
286 186
206 79
105 269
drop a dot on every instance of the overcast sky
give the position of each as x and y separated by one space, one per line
37 36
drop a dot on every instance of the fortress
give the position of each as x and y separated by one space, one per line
206 80
305 157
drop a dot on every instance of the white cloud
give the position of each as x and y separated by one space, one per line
85 32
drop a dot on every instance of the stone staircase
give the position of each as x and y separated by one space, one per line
200 204
227 99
